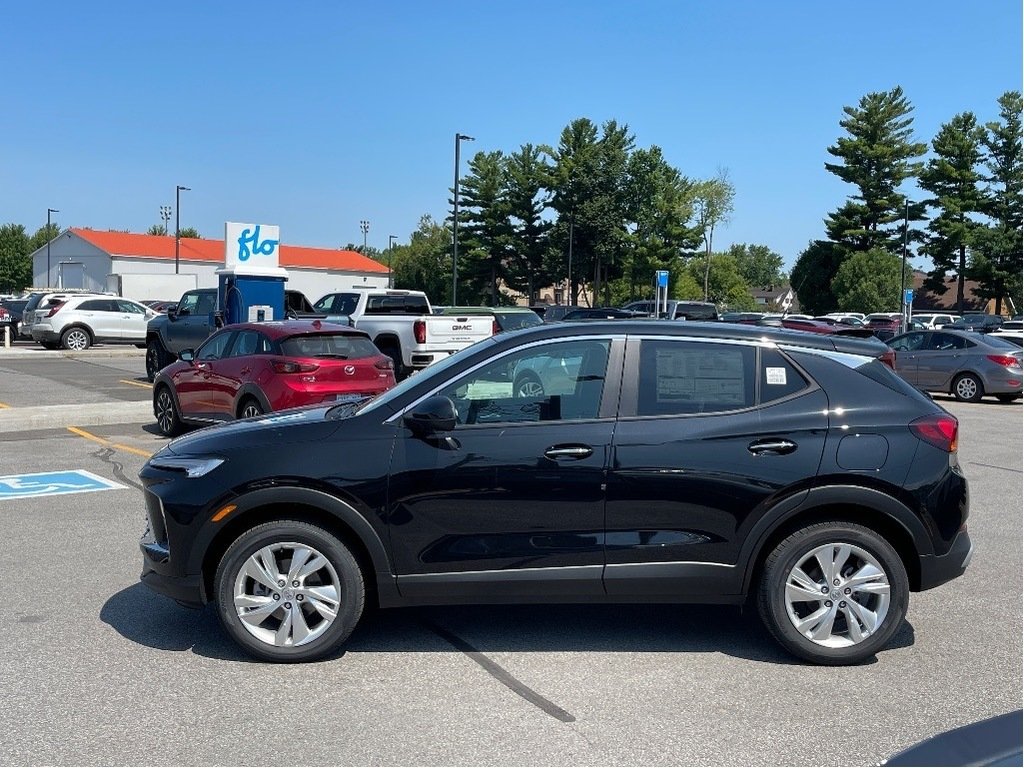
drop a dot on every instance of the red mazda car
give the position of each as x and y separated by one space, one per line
247 369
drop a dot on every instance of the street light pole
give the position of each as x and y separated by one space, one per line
455 219
165 214
365 227
391 245
177 224
49 237
903 268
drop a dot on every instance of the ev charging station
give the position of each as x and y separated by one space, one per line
661 293
250 285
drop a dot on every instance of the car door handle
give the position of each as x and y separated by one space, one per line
569 452
245 370
777 447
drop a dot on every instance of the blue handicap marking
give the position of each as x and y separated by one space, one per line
53 484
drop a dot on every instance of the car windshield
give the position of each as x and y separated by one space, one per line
329 345
511 321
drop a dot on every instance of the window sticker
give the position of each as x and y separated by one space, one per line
775 376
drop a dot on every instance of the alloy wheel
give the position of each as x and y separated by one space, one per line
251 409
530 388
165 415
76 339
287 594
837 595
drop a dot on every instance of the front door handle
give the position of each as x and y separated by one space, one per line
774 447
569 452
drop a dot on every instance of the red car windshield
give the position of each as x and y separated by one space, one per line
327 345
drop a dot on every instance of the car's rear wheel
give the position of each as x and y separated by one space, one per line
289 591
76 339
833 593
166 411
250 407
967 388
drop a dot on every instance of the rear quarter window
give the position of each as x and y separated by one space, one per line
779 377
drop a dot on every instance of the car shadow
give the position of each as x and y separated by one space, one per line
143 617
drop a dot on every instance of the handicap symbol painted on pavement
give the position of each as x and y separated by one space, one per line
53 484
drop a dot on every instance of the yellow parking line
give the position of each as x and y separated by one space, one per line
136 383
101 441
4 405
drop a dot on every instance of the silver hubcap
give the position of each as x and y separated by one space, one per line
165 411
76 340
967 388
287 594
250 410
837 595
530 388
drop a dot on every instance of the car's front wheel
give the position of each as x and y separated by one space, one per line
289 591
167 418
833 593
156 358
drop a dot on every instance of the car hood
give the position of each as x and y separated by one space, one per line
296 425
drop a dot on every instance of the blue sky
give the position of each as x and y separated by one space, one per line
315 116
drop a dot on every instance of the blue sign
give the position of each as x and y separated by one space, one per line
53 484
662 278
908 296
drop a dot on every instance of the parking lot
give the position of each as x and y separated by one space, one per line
98 670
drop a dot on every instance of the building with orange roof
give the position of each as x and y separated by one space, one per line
84 258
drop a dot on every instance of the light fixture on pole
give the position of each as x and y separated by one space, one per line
165 214
49 237
391 245
364 225
177 224
459 137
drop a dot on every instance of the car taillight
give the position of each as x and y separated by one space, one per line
495 328
939 430
384 364
889 358
290 366
54 309
1007 361
419 331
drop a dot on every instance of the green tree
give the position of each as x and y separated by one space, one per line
527 196
876 156
15 265
42 236
713 202
188 232
868 281
954 181
996 253
724 285
157 229
425 264
813 273
484 238
758 264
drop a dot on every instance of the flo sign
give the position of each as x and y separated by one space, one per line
251 246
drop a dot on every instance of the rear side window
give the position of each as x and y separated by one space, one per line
512 320
93 305
250 343
779 377
397 305
681 377
329 345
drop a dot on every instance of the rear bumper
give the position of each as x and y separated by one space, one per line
938 569
44 334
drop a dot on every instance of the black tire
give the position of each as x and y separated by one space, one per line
76 339
528 385
168 420
396 360
250 407
278 536
156 359
1007 398
49 344
795 550
967 388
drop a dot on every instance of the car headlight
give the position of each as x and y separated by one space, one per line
191 467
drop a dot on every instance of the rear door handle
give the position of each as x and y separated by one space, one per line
569 452
776 447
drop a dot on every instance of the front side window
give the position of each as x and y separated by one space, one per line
683 377
214 347
945 341
188 304
551 382
131 307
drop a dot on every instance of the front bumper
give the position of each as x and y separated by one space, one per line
938 569
187 591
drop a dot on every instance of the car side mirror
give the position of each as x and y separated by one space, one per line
435 414
172 314
187 355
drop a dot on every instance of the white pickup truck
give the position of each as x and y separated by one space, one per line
403 327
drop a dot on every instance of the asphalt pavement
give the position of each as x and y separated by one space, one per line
98 670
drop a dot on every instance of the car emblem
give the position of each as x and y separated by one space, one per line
350 369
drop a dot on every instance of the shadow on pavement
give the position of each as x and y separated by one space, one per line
157 622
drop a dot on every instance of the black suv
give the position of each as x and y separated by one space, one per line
623 461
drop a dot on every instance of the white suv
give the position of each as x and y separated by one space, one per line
80 321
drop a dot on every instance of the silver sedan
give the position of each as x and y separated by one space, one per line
968 365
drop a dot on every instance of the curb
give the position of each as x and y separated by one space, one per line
80 415
38 353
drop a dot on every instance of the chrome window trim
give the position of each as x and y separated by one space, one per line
848 359
611 338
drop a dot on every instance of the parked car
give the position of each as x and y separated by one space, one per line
13 308
676 310
741 317
933 320
841 319
1014 337
41 302
78 322
504 318
1012 325
977 322
815 326
601 313
847 316
690 462
967 365
885 325
247 369
554 313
